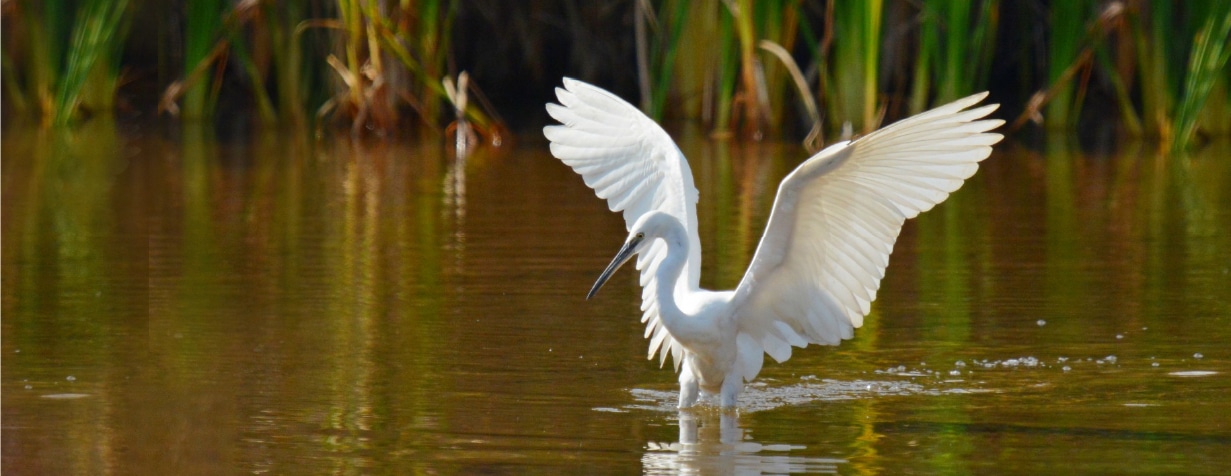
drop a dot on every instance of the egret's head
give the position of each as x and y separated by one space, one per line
650 226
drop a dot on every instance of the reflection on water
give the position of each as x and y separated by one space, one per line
176 304
715 444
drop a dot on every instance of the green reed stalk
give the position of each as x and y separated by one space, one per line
853 84
264 106
871 64
202 29
1067 34
431 35
84 73
695 73
1206 65
955 48
286 51
661 56
777 23
1157 92
48 24
728 73
749 87
1124 99
958 61
927 59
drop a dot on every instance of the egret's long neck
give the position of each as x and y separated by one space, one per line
670 286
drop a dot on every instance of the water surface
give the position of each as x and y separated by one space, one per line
176 304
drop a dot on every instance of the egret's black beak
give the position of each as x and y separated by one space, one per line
626 252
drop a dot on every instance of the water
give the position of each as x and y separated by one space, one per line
173 304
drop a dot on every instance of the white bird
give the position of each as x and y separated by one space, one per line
826 245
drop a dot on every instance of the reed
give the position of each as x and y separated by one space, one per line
852 69
1120 73
69 54
292 77
202 31
1068 21
250 36
381 64
397 55
91 70
656 58
722 80
778 24
751 79
1152 27
1181 56
694 75
41 29
956 42
1206 67
727 76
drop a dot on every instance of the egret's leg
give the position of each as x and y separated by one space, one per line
688 428
690 390
729 431
732 385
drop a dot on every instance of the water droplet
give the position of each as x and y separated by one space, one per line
17 351
1198 355
1119 336
71 378
955 372
1062 359
1041 323
28 387
1155 364
1111 359
959 364
1066 368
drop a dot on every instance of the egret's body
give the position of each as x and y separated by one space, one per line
826 245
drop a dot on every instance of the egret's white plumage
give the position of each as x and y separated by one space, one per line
817 269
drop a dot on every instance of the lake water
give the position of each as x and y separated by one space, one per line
176 304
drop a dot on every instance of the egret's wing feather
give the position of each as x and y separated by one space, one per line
633 164
835 220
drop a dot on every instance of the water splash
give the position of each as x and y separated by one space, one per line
761 396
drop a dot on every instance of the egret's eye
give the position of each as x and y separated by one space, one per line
640 236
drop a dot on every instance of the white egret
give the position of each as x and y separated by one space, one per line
826 245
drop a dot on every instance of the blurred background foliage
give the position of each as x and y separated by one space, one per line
796 68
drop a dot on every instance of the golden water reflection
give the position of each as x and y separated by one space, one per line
173 303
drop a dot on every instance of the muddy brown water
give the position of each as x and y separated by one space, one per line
173 304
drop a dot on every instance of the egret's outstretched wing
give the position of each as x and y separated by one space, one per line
835 220
632 163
